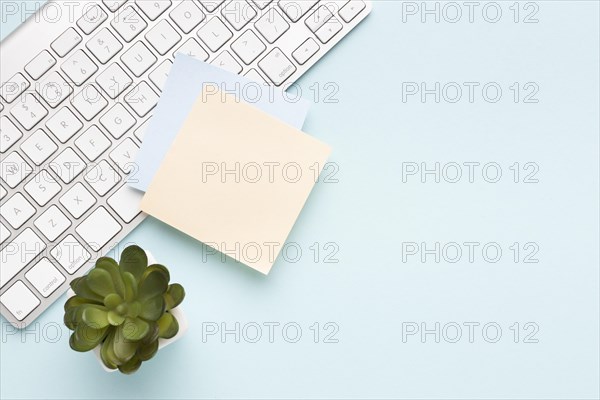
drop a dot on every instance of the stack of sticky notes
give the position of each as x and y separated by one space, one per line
224 161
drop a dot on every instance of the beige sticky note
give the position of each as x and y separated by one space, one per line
236 179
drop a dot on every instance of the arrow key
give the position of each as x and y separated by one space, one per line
306 50
329 30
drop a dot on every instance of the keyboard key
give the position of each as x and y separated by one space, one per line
248 47
262 4
29 111
187 16
14 169
153 9
5 233
67 165
114 5
18 253
52 223
104 46
77 200
102 177
79 67
89 102
117 121
214 34
66 42
44 277
98 229
193 49
54 89
64 124
38 147
138 59
141 130
272 25
126 203
160 73
70 254
306 50
318 18
295 9
163 37
211 5
17 210
19 300
91 19
114 81
9 134
92 143
351 10
142 99
329 30
238 13
40 65
128 23
277 66
124 155
255 76
14 87
42 188
226 61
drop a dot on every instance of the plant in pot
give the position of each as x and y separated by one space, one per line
124 311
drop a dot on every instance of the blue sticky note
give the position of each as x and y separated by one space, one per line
187 78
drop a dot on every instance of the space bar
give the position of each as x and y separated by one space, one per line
18 253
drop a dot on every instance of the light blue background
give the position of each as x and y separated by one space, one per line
370 212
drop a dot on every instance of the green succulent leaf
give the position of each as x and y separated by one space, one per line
107 354
112 301
147 351
94 316
152 334
86 338
167 326
124 349
81 288
131 366
174 296
131 287
135 329
156 268
100 282
111 266
134 261
153 308
154 284
115 318
72 317
76 301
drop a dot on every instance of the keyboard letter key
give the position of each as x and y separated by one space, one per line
39 147
42 188
67 165
64 124
77 200
98 229
142 99
214 34
89 102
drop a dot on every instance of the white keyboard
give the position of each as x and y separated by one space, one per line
75 96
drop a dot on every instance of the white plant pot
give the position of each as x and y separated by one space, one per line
162 343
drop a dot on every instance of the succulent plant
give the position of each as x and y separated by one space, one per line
124 308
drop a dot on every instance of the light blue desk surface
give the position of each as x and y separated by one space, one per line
372 297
